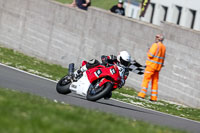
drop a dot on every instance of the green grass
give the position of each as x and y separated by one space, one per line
104 4
65 1
30 64
26 113
53 71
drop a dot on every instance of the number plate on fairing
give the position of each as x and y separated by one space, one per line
98 73
112 71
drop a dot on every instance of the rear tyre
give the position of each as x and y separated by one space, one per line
95 94
63 85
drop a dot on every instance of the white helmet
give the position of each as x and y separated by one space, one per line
124 58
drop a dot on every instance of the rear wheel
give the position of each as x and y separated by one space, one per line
63 85
94 94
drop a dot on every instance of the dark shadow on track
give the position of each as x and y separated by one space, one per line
113 105
127 108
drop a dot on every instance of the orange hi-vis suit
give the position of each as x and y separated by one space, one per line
154 63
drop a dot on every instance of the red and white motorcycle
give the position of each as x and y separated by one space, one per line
95 83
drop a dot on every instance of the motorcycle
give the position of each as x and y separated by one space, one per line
95 83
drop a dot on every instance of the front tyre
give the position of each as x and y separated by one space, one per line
95 94
63 85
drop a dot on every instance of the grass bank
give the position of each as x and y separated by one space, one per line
31 64
55 72
130 96
26 113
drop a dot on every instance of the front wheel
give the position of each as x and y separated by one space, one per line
95 94
63 85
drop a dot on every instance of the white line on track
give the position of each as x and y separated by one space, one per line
27 73
111 98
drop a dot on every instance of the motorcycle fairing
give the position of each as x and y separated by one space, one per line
101 71
81 86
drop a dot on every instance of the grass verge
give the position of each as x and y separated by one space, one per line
31 64
26 113
129 95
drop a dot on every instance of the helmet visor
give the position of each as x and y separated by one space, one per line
123 62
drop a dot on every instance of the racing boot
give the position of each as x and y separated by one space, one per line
78 73
108 96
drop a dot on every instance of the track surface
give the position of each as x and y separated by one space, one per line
22 81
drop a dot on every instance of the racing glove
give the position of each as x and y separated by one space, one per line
104 60
112 57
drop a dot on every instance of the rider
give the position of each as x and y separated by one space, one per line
123 60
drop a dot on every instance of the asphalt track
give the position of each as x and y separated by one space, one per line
22 81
